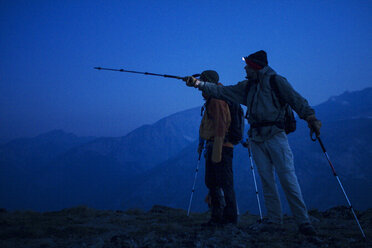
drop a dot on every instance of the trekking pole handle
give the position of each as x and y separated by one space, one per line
247 145
320 142
244 144
312 134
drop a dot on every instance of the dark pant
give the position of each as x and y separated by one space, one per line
220 176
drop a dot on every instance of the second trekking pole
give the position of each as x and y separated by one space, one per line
339 182
193 186
248 145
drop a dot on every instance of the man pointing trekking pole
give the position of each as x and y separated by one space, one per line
267 96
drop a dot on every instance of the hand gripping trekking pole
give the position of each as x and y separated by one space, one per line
144 73
339 182
193 186
248 145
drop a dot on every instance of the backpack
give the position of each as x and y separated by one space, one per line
236 129
289 119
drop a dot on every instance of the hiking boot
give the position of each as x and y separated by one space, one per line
229 219
266 225
307 229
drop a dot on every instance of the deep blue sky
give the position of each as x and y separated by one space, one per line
48 50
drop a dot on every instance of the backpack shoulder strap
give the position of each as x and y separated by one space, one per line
274 87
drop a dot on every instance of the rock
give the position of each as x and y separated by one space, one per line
313 219
340 212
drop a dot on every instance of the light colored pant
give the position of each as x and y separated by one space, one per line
272 155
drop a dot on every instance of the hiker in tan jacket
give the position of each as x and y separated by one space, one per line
219 154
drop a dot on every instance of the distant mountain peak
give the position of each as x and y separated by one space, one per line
56 134
348 105
367 92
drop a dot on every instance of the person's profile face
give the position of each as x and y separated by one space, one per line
251 74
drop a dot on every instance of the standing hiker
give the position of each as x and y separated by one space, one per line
266 114
219 154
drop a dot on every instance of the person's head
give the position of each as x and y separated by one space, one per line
255 62
209 76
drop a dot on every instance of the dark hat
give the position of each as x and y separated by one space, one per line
259 58
209 76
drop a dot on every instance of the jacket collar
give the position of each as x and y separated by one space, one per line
267 70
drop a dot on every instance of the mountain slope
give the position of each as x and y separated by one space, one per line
170 183
346 139
57 169
24 163
156 164
150 144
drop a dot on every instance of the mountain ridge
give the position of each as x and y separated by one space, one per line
117 166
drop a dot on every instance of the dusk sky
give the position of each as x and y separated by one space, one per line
49 48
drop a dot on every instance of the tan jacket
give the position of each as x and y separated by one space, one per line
215 125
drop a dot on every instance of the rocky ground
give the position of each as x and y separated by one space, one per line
168 227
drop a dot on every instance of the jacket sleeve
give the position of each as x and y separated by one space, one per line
233 93
220 114
298 103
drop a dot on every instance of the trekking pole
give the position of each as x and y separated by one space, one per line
193 186
248 145
339 182
144 73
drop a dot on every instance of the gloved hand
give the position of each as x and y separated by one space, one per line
314 124
190 81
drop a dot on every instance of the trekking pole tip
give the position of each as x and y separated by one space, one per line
97 68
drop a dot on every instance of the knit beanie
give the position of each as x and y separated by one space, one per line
257 60
209 76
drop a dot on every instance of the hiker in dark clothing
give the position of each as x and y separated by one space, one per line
219 154
270 148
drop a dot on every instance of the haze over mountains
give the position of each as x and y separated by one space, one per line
155 164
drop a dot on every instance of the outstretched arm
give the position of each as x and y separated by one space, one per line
234 93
